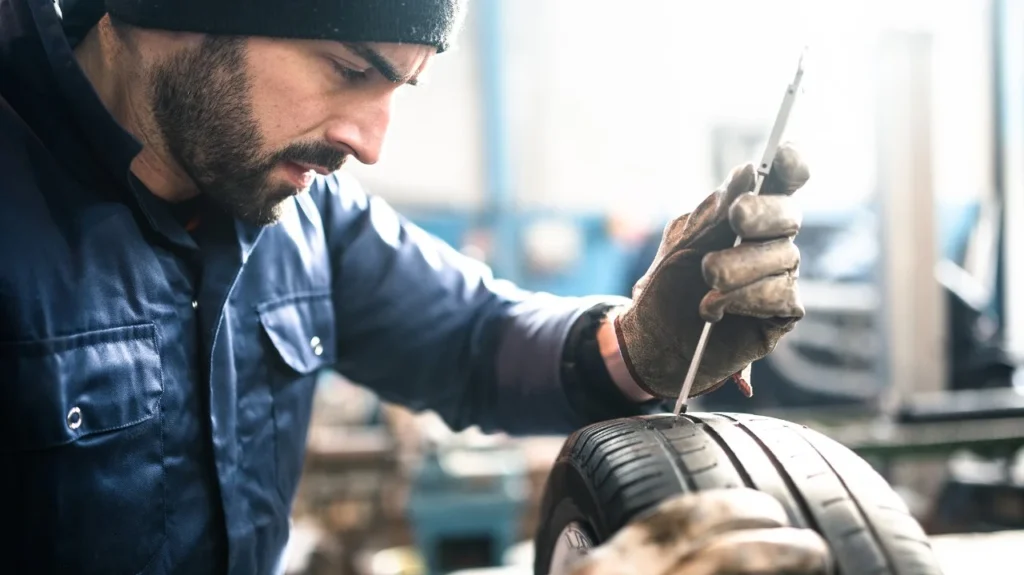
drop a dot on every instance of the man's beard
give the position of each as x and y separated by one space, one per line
202 107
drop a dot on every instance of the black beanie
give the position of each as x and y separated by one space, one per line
429 22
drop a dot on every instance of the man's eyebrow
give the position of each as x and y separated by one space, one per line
380 63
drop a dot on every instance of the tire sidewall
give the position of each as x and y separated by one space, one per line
577 503
823 485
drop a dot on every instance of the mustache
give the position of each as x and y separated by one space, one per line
315 154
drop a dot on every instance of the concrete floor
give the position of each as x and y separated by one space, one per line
975 554
982 553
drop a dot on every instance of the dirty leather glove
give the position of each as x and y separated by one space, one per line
718 532
697 276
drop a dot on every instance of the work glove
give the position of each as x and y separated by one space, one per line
697 275
718 532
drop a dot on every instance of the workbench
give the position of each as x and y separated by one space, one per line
986 421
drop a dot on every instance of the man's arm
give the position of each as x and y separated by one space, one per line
429 328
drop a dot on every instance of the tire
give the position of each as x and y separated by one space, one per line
609 472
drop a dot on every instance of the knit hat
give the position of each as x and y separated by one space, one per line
429 22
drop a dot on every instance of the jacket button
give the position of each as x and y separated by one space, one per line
315 344
75 418
195 304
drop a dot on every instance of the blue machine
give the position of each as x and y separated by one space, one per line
466 504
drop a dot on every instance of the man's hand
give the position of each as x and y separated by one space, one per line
698 276
726 531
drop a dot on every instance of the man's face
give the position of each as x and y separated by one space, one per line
251 120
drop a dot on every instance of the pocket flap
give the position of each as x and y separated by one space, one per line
66 388
301 328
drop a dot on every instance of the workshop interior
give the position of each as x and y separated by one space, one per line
558 165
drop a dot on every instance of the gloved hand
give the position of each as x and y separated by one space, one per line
697 276
719 532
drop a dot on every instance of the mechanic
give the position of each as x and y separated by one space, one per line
183 256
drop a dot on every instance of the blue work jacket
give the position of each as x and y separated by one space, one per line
156 385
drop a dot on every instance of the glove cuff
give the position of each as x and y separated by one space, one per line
624 351
630 367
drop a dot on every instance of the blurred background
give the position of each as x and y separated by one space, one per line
556 140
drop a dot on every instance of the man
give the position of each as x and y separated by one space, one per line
183 256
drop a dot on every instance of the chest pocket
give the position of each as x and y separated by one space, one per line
80 446
301 329
301 332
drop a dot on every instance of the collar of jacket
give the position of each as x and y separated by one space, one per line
50 91
42 81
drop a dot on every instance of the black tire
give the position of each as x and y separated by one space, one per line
609 472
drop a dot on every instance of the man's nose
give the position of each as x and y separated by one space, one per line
361 128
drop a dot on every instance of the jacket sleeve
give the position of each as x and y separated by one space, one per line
429 328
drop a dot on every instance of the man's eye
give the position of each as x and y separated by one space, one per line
348 74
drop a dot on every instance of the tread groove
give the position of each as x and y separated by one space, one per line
618 448
615 467
704 469
801 501
632 482
833 501
886 552
744 475
591 441
685 479
610 472
852 532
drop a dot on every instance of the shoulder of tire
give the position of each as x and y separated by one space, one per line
633 465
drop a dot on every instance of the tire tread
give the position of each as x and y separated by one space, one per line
631 465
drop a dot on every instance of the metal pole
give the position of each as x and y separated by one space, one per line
912 304
500 202
1008 16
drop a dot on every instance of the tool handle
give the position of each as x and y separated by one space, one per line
691 373
781 119
763 169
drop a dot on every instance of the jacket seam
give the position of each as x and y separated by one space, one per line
292 298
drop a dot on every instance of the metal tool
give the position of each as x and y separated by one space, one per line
763 169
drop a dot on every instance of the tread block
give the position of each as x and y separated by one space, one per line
630 465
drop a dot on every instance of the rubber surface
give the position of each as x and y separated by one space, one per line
609 472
